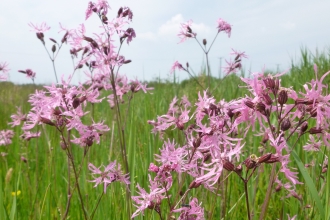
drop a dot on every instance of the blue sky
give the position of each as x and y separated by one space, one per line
270 32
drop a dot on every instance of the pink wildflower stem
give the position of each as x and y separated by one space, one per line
268 193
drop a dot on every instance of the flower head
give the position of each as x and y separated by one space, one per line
186 31
110 174
4 69
224 26
39 28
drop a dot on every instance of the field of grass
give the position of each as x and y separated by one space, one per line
37 188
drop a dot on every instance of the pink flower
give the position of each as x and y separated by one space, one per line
29 73
41 28
110 174
193 211
5 137
27 135
18 118
4 69
175 66
186 31
224 26
150 200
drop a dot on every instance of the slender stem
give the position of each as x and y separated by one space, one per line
268 193
97 204
247 199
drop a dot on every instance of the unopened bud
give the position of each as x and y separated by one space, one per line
249 163
273 159
53 40
54 48
286 124
63 145
267 99
46 121
249 104
278 188
65 37
315 130
75 102
23 159
264 158
197 142
282 97
228 165
313 112
303 127
269 83
324 170
127 61
301 101
204 42
187 64
193 185
261 107
265 138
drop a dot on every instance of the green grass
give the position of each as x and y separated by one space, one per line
43 179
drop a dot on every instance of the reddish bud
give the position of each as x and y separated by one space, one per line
261 107
23 159
193 185
75 102
54 48
264 158
269 83
315 130
65 37
228 165
303 127
273 159
324 170
46 121
249 163
249 104
282 97
197 142
265 138
204 42
286 124
267 99
53 40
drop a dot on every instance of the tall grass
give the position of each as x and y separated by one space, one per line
42 179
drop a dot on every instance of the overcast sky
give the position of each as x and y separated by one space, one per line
270 32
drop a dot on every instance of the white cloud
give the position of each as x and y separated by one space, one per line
171 27
147 36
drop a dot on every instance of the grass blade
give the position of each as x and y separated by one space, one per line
310 184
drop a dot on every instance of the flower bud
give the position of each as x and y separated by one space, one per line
23 159
46 121
261 107
265 138
193 185
54 48
65 37
228 165
63 145
269 83
249 104
75 102
286 124
197 142
204 42
278 188
313 112
264 158
249 163
324 170
273 159
267 99
315 130
53 40
303 127
282 97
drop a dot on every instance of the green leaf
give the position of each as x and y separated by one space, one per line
310 184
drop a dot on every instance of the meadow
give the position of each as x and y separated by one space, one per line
34 177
